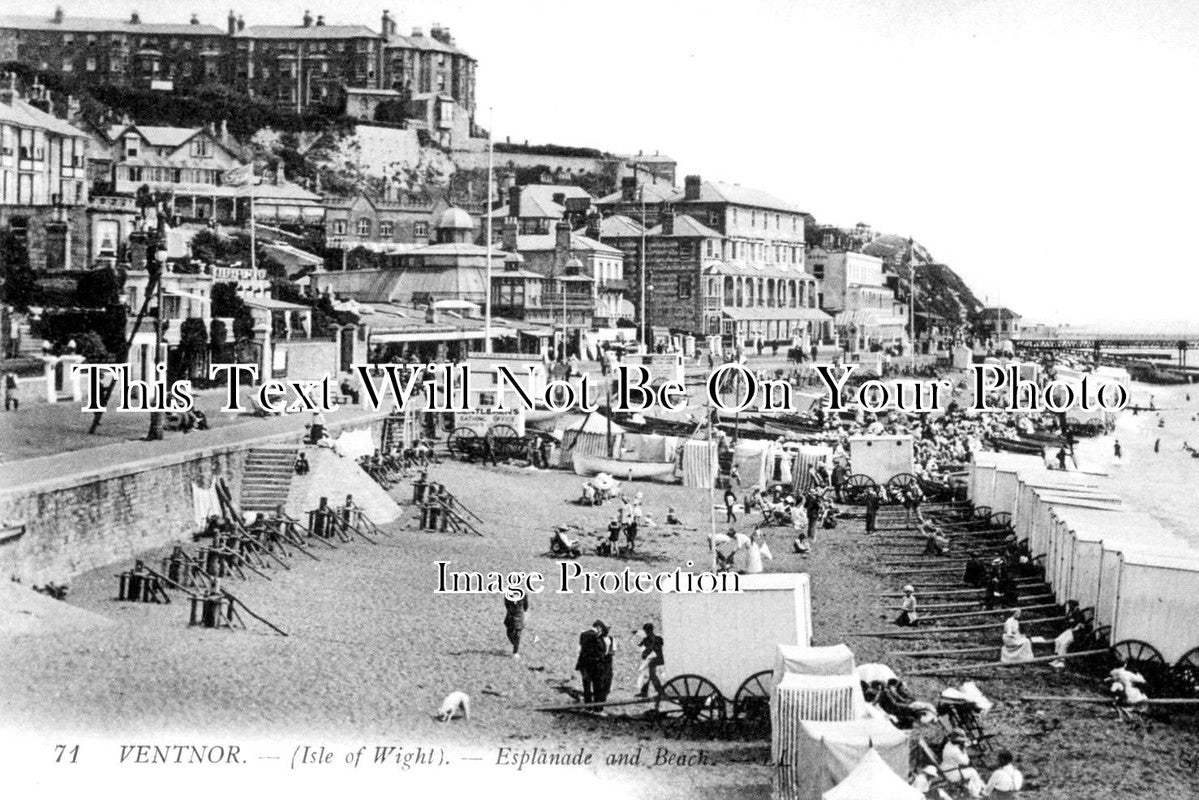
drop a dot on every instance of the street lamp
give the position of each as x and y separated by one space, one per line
160 256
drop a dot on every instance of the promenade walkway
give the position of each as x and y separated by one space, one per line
63 428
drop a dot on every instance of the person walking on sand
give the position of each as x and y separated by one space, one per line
1157 446
1116 448
873 501
730 506
604 666
651 660
10 392
586 663
514 621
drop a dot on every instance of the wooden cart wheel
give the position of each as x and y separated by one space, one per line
1186 674
1002 520
503 432
751 704
460 441
854 490
1134 651
689 701
982 512
902 482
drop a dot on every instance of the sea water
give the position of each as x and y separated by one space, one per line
1164 484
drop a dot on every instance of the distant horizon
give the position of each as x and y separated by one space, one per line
1043 149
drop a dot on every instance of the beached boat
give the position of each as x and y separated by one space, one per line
585 464
1018 446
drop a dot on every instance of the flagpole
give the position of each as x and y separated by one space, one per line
490 179
253 229
912 299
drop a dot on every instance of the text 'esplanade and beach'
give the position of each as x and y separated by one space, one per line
449 387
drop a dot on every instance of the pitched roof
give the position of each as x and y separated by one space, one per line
654 193
618 226
688 227
306 32
24 115
578 243
71 24
427 43
716 192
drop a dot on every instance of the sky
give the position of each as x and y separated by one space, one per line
1047 150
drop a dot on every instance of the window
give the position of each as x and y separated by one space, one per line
734 216
713 216
420 229
201 148
684 287
67 66
131 146
753 219
135 173
339 227
709 247
364 227
91 64
386 229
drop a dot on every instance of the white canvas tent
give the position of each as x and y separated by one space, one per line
826 753
873 779
589 436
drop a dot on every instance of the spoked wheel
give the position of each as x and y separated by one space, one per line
902 482
1002 519
506 441
751 704
982 512
1186 674
462 441
688 702
854 490
1144 658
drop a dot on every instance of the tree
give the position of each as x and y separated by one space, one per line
218 335
91 347
99 288
193 344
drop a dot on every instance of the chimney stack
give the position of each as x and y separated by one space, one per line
508 237
241 22
307 19
231 23
594 221
514 202
628 189
135 18
195 20
389 25
561 246
279 178
691 186
666 218
58 15
320 20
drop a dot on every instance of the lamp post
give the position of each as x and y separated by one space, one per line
644 316
160 256
490 179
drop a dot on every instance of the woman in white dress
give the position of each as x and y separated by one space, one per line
1016 646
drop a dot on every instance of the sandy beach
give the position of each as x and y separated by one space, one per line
372 651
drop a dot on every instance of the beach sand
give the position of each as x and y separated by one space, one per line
372 651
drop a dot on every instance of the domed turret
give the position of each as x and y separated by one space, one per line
455 225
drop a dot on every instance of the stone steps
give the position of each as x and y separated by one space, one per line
267 478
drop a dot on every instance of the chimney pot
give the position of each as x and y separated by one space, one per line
135 18
320 20
241 22
691 186
58 15
307 19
